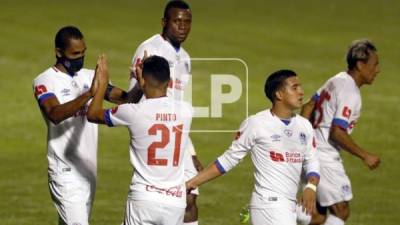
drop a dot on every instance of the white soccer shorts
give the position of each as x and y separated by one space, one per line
150 213
334 185
272 211
73 200
190 169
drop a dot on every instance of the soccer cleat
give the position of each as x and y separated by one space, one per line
244 214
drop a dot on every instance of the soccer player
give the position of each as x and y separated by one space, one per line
63 92
158 127
176 25
281 144
334 111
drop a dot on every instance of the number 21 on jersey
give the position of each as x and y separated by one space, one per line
160 145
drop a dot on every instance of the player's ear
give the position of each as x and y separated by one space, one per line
163 22
58 52
359 65
279 94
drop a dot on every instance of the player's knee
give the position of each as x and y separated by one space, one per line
341 210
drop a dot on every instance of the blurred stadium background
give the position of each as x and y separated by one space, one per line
309 37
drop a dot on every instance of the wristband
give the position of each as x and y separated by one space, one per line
311 186
108 92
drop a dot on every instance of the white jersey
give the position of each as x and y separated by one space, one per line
278 151
178 59
338 102
159 129
71 144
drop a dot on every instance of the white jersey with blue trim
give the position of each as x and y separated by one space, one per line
159 129
279 152
338 102
71 144
178 59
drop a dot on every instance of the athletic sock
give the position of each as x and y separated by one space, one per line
192 223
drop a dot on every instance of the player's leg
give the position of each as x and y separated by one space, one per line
334 191
191 211
339 213
72 200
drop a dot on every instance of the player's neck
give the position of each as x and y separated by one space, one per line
281 112
154 93
174 44
356 77
61 68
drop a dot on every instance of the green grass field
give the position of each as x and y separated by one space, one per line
309 37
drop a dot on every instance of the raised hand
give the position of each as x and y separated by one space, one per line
102 70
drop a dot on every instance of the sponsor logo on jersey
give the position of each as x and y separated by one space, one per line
289 157
277 157
172 191
288 132
303 138
85 86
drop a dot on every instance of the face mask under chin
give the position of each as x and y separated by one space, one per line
71 65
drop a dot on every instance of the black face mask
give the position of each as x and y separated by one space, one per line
71 65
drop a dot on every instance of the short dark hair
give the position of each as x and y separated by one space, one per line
359 50
175 4
157 68
276 81
65 34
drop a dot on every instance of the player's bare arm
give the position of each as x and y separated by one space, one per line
341 137
115 95
307 109
309 194
136 93
57 112
95 112
197 164
204 176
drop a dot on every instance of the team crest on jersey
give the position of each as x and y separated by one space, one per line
65 92
288 132
303 138
276 138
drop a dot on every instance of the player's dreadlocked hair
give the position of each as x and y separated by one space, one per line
359 50
276 81
174 4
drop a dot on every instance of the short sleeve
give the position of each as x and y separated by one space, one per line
346 104
243 143
122 115
43 89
